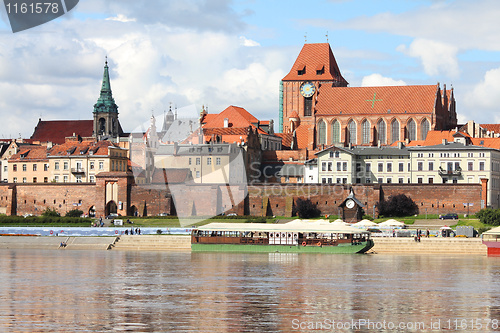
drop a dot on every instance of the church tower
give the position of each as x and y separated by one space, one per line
106 124
315 66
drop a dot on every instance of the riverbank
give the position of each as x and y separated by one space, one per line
463 246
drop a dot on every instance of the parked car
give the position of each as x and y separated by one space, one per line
450 216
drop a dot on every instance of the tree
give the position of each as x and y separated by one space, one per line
74 213
397 205
489 216
50 212
306 209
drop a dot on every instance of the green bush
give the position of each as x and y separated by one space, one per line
489 216
50 212
397 205
74 213
306 209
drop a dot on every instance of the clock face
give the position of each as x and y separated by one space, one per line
349 203
307 89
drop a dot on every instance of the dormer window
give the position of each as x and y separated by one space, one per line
320 70
301 70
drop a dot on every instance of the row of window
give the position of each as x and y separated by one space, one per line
381 131
209 161
451 166
65 179
57 166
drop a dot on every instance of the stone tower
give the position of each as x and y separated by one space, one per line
106 124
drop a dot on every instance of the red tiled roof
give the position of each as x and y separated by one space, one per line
72 148
302 133
286 139
376 100
491 127
486 142
208 117
237 117
57 130
32 153
314 57
294 114
436 137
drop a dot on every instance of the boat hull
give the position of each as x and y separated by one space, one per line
261 248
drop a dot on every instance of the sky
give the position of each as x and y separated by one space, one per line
217 53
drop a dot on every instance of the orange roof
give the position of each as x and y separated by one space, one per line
486 142
376 100
286 139
72 148
208 117
313 58
237 117
294 114
302 133
30 153
491 127
436 137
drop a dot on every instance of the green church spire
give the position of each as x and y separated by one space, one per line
106 103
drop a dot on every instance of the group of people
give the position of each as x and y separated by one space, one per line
419 234
137 231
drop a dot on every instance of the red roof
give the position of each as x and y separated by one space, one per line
313 58
72 148
237 117
31 153
491 127
286 139
486 142
376 100
57 130
302 133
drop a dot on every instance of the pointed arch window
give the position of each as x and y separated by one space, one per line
424 128
411 127
381 132
321 133
336 132
351 129
394 131
365 130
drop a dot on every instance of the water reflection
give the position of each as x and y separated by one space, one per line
206 292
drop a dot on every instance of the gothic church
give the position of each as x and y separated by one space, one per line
319 108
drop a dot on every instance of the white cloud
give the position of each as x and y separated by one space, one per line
376 80
486 94
121 18
437 58
248 42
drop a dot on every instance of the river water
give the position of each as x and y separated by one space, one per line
103 291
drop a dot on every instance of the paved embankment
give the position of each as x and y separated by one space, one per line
41 242
452 245
182 243
154 243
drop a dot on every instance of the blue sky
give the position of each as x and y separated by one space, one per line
219 53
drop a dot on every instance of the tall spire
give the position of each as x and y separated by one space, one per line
106 103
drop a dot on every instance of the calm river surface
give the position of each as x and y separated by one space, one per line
102 291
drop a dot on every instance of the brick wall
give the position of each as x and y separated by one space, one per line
206 199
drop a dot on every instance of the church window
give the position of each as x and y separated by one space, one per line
351 129
307 106
321 133
365 127
335 132
381 132
394 131
425 127
412 130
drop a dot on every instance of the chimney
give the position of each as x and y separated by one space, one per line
226 122
400 145
445 142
